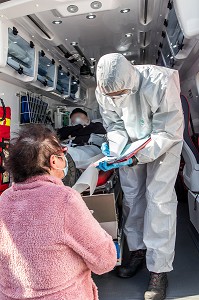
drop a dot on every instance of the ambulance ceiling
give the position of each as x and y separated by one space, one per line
131 27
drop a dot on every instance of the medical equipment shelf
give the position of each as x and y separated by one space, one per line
32 108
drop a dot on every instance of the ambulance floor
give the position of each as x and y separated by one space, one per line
183 280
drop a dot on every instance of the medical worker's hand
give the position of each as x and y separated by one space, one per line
106 167
105 149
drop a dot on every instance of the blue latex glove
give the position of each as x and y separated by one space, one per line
106 167
105 149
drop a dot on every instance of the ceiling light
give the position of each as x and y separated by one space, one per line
91 16
175 46
33 36
48 65
132 62
74 44
37 5
92 59
66 39
61 73
59 59
15 42
57 22
72 9
124 11
127 53
128 34
96 5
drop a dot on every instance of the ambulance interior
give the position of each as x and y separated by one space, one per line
48 56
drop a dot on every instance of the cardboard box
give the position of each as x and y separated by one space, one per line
104 211
193 200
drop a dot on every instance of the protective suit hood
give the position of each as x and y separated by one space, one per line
115 73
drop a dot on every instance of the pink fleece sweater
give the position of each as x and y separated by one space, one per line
50 243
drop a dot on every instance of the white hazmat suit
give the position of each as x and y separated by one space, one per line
153 108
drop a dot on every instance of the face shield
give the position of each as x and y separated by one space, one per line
80 119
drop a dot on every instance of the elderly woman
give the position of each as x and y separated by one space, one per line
49 240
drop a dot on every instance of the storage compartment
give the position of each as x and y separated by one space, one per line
179 44
175 34
104 211
187 12
168 57
46 71
63 82
193 200
21 54
17 53
75 89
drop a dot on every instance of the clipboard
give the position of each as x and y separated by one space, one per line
128 152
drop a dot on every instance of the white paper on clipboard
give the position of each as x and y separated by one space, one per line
128 151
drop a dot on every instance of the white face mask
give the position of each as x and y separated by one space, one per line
66 167
79 121
119 100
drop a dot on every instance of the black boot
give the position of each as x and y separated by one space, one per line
157 287
135 263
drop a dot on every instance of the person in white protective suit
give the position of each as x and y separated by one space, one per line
136 102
